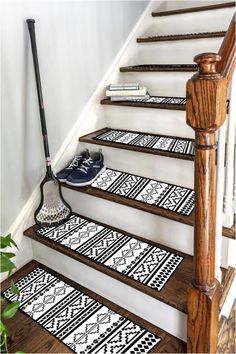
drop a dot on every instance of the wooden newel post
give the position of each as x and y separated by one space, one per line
206 112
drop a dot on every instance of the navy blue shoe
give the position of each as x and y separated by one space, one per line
75 162
88 171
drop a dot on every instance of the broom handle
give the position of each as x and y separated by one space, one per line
31 28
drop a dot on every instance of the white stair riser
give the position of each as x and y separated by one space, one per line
151 227
166 169
196 22
125 296
148 120
160 83
182 51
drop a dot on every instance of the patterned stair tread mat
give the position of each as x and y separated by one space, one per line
180 101
162 100
76 319
151 141
136 259
161 194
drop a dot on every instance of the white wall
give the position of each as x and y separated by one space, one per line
77 41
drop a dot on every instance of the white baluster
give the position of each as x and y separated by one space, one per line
220 173
228 213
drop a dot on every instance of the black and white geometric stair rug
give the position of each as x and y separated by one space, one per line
182 146
76 319
161 194
136 259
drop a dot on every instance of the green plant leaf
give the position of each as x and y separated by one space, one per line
14 289
4 241
10 310
5 264
9 254
3 330
19 352
7 241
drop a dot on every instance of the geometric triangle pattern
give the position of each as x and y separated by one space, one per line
183 146
163 195
76 319
136 259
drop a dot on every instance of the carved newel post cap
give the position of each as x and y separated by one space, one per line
207 63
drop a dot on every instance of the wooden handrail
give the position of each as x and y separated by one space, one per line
206 112
227 52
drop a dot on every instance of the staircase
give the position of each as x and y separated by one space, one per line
129 242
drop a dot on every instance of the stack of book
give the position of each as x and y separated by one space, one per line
127 92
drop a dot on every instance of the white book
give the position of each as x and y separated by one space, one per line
122 87
129 98
141 92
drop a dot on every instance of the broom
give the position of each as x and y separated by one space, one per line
53 209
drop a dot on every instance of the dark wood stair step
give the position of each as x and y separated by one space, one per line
159 102
193 9
173 293
92 139
28 336
188 220
177 37
160 68
153 102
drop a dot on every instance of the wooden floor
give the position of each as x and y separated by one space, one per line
29 337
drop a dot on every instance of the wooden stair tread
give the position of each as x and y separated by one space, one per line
193 9
148 103
180 279
188 220
186 36
153 102
30 337
159 67
90 138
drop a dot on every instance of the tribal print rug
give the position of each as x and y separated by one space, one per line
80 322
181 101
139 260
151 141
163 195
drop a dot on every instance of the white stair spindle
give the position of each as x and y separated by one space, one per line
228 214
219 198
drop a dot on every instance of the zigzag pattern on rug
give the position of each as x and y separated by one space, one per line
151 141
163 195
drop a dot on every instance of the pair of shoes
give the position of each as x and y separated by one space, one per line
83 169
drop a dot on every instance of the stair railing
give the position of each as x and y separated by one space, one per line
206 113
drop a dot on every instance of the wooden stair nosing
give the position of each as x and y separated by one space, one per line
107 101
178 37
185 219
181 278
160 68
169 343
193 9
226 284
89 138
